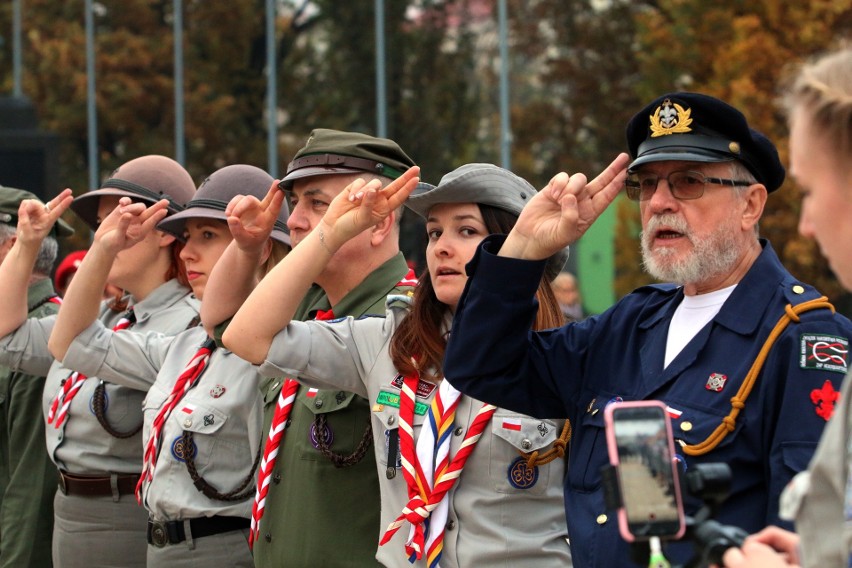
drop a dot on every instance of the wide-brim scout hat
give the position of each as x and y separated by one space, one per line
332 152
216 192
692 127
484 184
147 179
10 203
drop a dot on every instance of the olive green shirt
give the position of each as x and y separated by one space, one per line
317 514
28 478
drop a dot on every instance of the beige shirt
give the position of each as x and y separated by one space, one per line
223 411
491 521
81 445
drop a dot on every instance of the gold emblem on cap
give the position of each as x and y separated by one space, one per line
670 118
734 147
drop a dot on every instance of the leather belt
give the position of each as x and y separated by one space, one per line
123 484
161 533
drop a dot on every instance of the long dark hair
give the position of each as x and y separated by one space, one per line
419 343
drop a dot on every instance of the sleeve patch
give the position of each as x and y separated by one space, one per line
824 352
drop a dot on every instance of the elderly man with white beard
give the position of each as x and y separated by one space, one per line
747 358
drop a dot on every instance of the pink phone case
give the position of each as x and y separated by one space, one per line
612 448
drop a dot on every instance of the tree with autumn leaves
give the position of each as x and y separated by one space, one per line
579 69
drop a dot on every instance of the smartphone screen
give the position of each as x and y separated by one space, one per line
640 435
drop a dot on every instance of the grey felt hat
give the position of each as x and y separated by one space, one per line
216 192
146 179
484 184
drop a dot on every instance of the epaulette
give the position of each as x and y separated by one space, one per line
402 301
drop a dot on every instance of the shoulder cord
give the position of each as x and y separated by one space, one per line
791 314
246 486
99 403
339 460
99 408
557 450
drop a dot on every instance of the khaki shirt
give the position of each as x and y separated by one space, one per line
492 520
27 476
81 446
309 498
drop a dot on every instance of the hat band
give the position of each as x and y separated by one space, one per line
691 141
338 160
220 206
116 183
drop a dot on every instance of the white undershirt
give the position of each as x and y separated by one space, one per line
691 315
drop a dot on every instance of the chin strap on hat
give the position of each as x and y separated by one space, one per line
791 314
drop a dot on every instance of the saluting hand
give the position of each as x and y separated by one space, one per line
251 221
362 205
563 211
128 224
35 219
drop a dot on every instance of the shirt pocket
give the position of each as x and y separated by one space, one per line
344 419
388 416
513 438
209 444
122 406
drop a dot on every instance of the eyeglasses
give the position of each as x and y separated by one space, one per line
640 186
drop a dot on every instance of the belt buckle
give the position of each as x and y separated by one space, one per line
159 535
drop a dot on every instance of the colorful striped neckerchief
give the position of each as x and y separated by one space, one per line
187 379
428 470
68 389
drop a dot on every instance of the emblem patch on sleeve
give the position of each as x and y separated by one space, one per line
824 352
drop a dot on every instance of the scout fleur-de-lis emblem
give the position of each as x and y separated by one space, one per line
670 118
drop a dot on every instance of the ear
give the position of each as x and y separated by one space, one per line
267 250
166 239
383 229
754 201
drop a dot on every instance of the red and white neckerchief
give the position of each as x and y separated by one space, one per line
429 473
187 379
283 406
55 300
58 413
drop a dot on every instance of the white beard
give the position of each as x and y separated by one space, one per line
711 256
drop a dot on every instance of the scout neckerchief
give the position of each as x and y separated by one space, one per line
283 407
68 389
273 441
187 379
428 471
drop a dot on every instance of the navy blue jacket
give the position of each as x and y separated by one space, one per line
577 369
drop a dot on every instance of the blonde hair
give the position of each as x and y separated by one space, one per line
822 88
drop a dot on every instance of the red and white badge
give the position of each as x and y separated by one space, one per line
716 382
512 424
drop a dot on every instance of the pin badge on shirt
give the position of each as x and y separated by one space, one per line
217 391
327 436
716 382
521 475
179 451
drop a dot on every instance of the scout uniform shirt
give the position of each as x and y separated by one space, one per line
317 514
223 413
81 446
496 516
579 368
27 476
